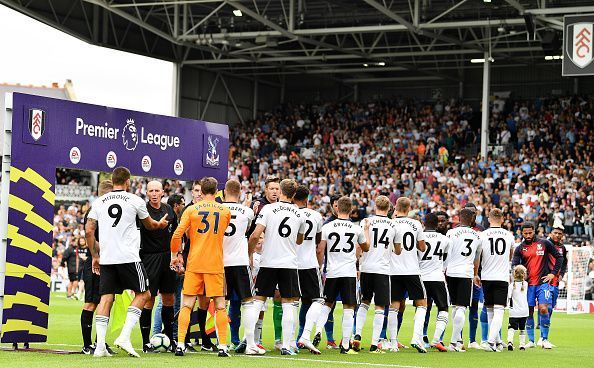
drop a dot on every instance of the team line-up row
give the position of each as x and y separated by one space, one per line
392 256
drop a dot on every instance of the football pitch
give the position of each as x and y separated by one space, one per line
573 335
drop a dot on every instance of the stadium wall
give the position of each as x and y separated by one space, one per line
227 89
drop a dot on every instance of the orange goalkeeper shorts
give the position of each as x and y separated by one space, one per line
207 284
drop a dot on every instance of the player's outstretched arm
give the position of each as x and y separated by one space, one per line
364 246
151 224
517 258
255 237
564 265
477 263
320 251
90 228
366 230
551 249
421 246
398 248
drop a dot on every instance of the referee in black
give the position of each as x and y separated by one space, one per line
155 254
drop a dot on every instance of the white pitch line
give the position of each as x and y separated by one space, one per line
334 362
295 359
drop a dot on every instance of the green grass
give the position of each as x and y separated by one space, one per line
573 334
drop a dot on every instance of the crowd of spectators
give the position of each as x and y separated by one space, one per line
404 147
540 171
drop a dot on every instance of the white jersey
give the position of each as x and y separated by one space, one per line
116 214
235 243
432 259
518 299
407 263
383 234
283 221
342 237
496 247
465 243
307 251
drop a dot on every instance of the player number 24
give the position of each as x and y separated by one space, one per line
437 252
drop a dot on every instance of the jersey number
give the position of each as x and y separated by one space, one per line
204 220
495 246
437 252
232 228
383 239
350 237
308 231
408 241
115 212
468 250
284 230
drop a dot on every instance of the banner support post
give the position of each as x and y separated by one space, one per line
6 162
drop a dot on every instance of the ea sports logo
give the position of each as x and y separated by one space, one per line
130 135
74 155
111 159
178 167
146 163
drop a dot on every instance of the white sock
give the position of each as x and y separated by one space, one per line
310 319
393 325
288 324
132 318
258 331
361 317
101 323
440 325
249 314
458 323
495 323
522 337
252 314
490 324
419 322
348 319
295 322
322 318
378 323
510 335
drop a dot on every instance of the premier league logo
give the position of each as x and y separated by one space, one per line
36 123
130 135
212 156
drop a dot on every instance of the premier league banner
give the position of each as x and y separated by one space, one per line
49 133
578 50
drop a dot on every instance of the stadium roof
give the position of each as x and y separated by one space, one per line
350 40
